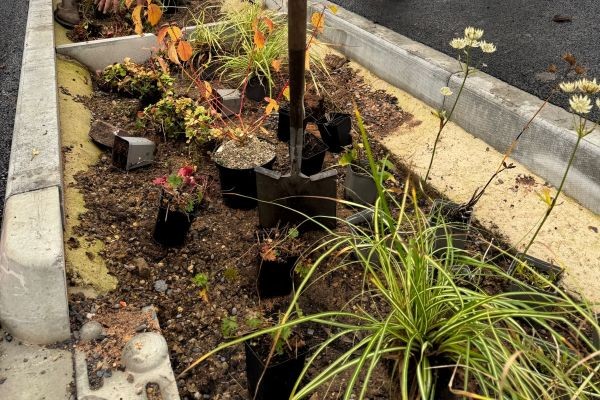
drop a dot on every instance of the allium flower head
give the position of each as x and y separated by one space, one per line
445 91
568 87
580 104
487 47
458 43
473 33
588 86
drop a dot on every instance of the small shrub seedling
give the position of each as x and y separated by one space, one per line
182 191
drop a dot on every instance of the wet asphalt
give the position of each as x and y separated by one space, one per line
527 37
13 17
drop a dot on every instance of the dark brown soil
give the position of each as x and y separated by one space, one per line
222 243
96 25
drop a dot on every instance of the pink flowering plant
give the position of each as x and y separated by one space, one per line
182 191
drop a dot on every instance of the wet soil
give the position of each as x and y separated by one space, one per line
222 244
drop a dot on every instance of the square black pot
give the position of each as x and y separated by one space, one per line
276 278
335 132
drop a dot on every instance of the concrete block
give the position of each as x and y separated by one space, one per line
97 54
33 292
227 101
132 152
146 360
35 159
30 372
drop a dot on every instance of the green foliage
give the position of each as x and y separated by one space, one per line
280 339
135 80
176 117
254 322
230 274
229 326
201 280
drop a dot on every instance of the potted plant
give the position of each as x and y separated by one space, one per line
359 185
236 159
279 250
259 37
273 364
452 222
181 195
206 39
283 123
534 281
335 131
145 82
313 155
180 117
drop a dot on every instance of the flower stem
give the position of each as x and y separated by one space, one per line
560 187
447 119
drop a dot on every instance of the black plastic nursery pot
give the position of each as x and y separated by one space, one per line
205 62
171 226
238 186
359 186
455 231
335 131
529 293
257 88
170 6
276 278
313 155
279 378
283 124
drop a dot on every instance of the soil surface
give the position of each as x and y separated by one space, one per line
222 244
96 25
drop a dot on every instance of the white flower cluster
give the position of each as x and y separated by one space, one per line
472 39
581 103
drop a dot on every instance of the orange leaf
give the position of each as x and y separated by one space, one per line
154 14
162 33
163 65
122 304
128 3
271 106
269 24
184 50
174 33
276 64
286 93
136 16
268 253
318 22
208 89
259 39
172 53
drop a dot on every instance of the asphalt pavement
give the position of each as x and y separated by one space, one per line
525 31
13 15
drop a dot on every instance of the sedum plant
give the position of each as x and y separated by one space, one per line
177 117
135 80
432 333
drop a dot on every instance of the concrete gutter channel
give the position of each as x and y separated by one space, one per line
33 290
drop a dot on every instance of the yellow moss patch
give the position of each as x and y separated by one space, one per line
84 264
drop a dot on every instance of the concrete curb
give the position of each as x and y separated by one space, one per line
489 108
33 295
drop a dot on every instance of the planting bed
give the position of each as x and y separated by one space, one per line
222 242
96 25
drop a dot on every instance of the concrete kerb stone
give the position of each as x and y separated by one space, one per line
33 293
97 54
489 108
33 290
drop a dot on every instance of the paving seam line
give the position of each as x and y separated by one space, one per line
490 109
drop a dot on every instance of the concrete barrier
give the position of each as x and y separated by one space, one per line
33 298
489 108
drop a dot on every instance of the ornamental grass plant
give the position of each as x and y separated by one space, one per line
436 331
